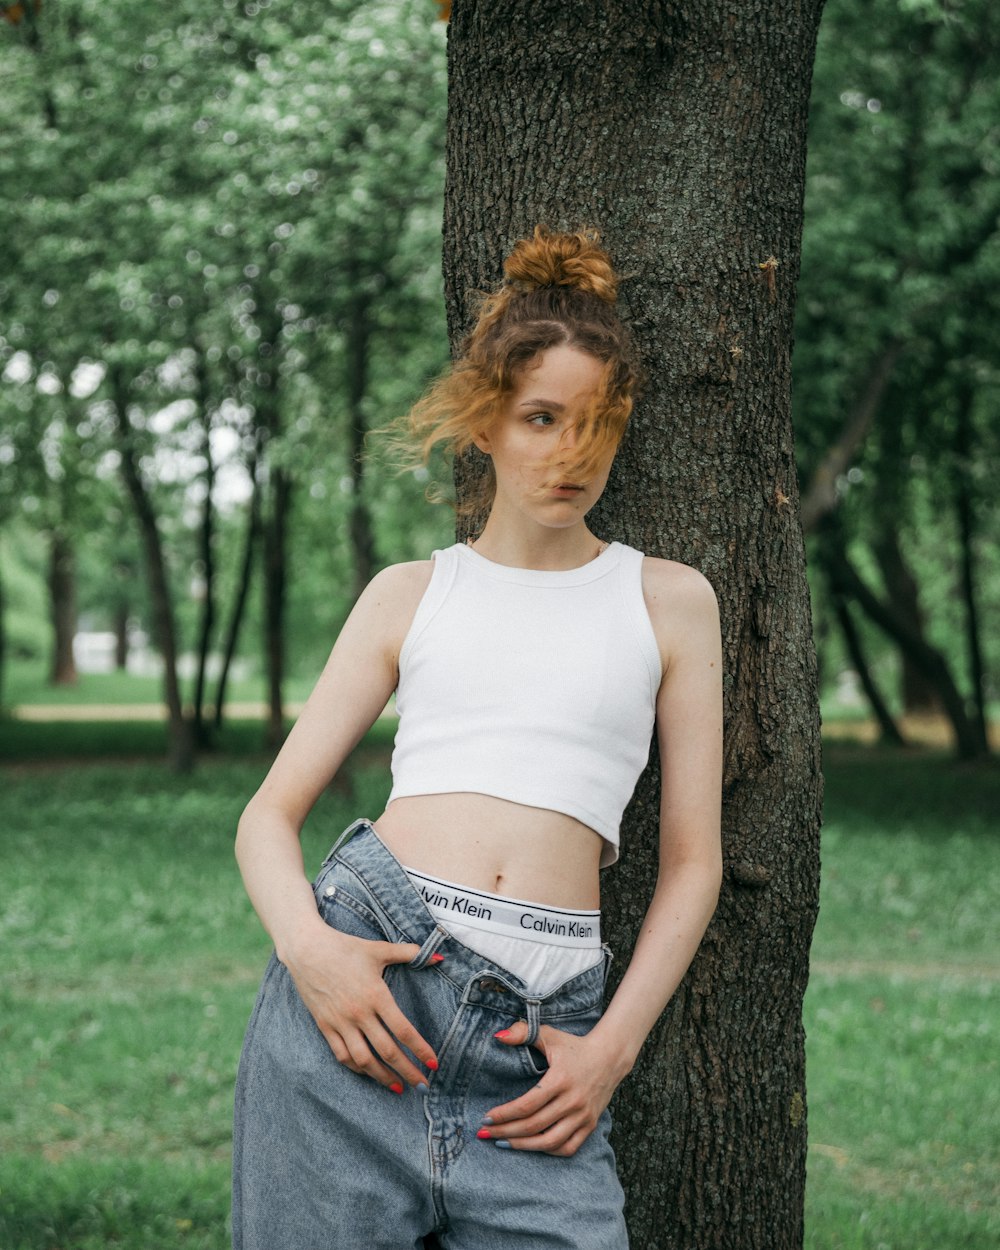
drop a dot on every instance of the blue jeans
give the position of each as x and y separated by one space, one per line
325 1159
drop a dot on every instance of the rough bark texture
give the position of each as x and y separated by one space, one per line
679 130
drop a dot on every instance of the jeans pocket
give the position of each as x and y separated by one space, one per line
346 905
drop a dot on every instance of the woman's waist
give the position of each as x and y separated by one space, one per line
492 844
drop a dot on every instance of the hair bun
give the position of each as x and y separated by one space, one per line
553 258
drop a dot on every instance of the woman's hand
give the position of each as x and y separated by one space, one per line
561 1111
339 978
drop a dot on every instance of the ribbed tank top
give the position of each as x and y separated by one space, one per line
530 685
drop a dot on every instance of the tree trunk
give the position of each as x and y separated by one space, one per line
965 508
679 130
852 640
206 550
275 577
918 694
242 591
928 660
120 626
3 640
62 603
181 746
362 532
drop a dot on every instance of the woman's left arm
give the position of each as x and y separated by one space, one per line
558 1114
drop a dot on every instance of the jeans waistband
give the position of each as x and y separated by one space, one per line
475 977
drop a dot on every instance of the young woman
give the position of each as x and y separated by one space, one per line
428 1062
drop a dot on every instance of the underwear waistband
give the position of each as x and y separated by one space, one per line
535 922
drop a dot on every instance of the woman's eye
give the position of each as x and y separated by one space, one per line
542 418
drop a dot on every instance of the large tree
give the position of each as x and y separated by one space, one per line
679 129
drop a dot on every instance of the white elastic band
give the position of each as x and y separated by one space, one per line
496 913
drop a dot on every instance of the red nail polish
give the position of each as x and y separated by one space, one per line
483 1134
432 1064
437 959
396 1087
503 1034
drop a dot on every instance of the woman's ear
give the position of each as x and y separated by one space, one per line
482 441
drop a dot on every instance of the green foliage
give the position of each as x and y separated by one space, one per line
200 204
901 252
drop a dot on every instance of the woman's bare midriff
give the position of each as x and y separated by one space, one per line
495 845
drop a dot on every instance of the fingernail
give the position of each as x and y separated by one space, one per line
433 1064
437 959
396 1087
487 1119
422 1086
483 1134
503 1034
501 1144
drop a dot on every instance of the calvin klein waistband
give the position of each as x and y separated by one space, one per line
536 922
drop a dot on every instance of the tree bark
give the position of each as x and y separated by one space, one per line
928 660
3 640
181 745
852 640
965 507
242 591
121 635
918 694
62 604
679 130
820 497
275 577
358 347
206 547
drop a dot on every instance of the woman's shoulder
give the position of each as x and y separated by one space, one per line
681 582
399 585
679 599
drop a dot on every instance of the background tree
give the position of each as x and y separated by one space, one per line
896 378
679 129
226 212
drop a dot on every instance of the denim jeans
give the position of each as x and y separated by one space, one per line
325 1159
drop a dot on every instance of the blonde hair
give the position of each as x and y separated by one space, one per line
558 289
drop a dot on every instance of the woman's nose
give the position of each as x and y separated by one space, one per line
568 438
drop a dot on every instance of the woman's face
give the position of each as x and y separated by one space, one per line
532 441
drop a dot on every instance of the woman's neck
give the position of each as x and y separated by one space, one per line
549 549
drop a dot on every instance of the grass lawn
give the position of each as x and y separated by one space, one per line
131 958
26 681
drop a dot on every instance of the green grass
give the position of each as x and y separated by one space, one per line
26 681
131 958
903 1078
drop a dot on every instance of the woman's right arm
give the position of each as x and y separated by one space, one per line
338 977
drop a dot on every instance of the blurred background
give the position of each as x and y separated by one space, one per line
219 272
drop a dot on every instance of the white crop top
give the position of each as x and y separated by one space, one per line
534 686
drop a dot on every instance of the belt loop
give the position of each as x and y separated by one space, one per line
345 837
608 958
423 956
533 1013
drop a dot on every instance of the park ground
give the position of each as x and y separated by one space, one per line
131 958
